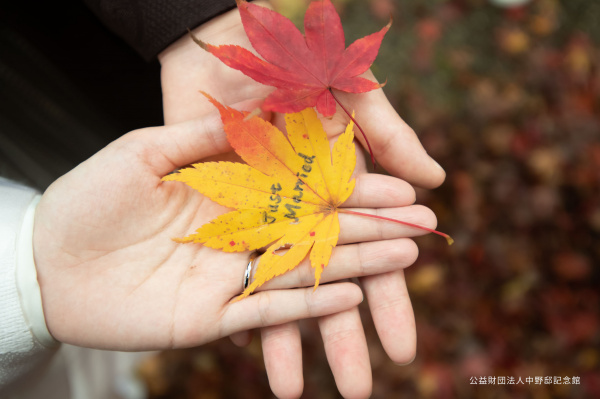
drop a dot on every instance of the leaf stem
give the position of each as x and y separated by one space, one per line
446 236
357 125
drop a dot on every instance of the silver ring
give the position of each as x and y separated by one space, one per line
248 272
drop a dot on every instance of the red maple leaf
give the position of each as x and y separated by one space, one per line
304 69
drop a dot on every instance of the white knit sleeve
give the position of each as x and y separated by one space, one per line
24 338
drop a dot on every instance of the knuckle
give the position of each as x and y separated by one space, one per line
339 336
305 275
391 303
379 226
363 263
264 307
308 301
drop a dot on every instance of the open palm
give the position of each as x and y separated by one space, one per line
187 69
111 277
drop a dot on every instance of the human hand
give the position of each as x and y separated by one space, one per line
187 69
111 278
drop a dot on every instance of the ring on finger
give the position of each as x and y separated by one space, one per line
248 271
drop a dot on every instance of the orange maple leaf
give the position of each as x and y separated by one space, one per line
287 196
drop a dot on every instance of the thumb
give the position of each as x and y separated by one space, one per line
167 148
395 145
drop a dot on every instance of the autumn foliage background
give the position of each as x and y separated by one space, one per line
506 100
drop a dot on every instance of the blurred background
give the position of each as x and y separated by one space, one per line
505 94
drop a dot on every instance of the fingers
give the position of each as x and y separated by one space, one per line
347 353
392 314
394 143
357 228
282 351
348 261
380 191
242 338
281 306
381 247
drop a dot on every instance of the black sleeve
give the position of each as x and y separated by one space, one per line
150 26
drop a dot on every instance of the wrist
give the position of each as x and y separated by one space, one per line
27 280
21 311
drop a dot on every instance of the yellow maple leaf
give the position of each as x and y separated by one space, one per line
287 195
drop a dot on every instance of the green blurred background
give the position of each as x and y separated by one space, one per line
505 98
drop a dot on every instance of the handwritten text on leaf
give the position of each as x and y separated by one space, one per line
287 195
